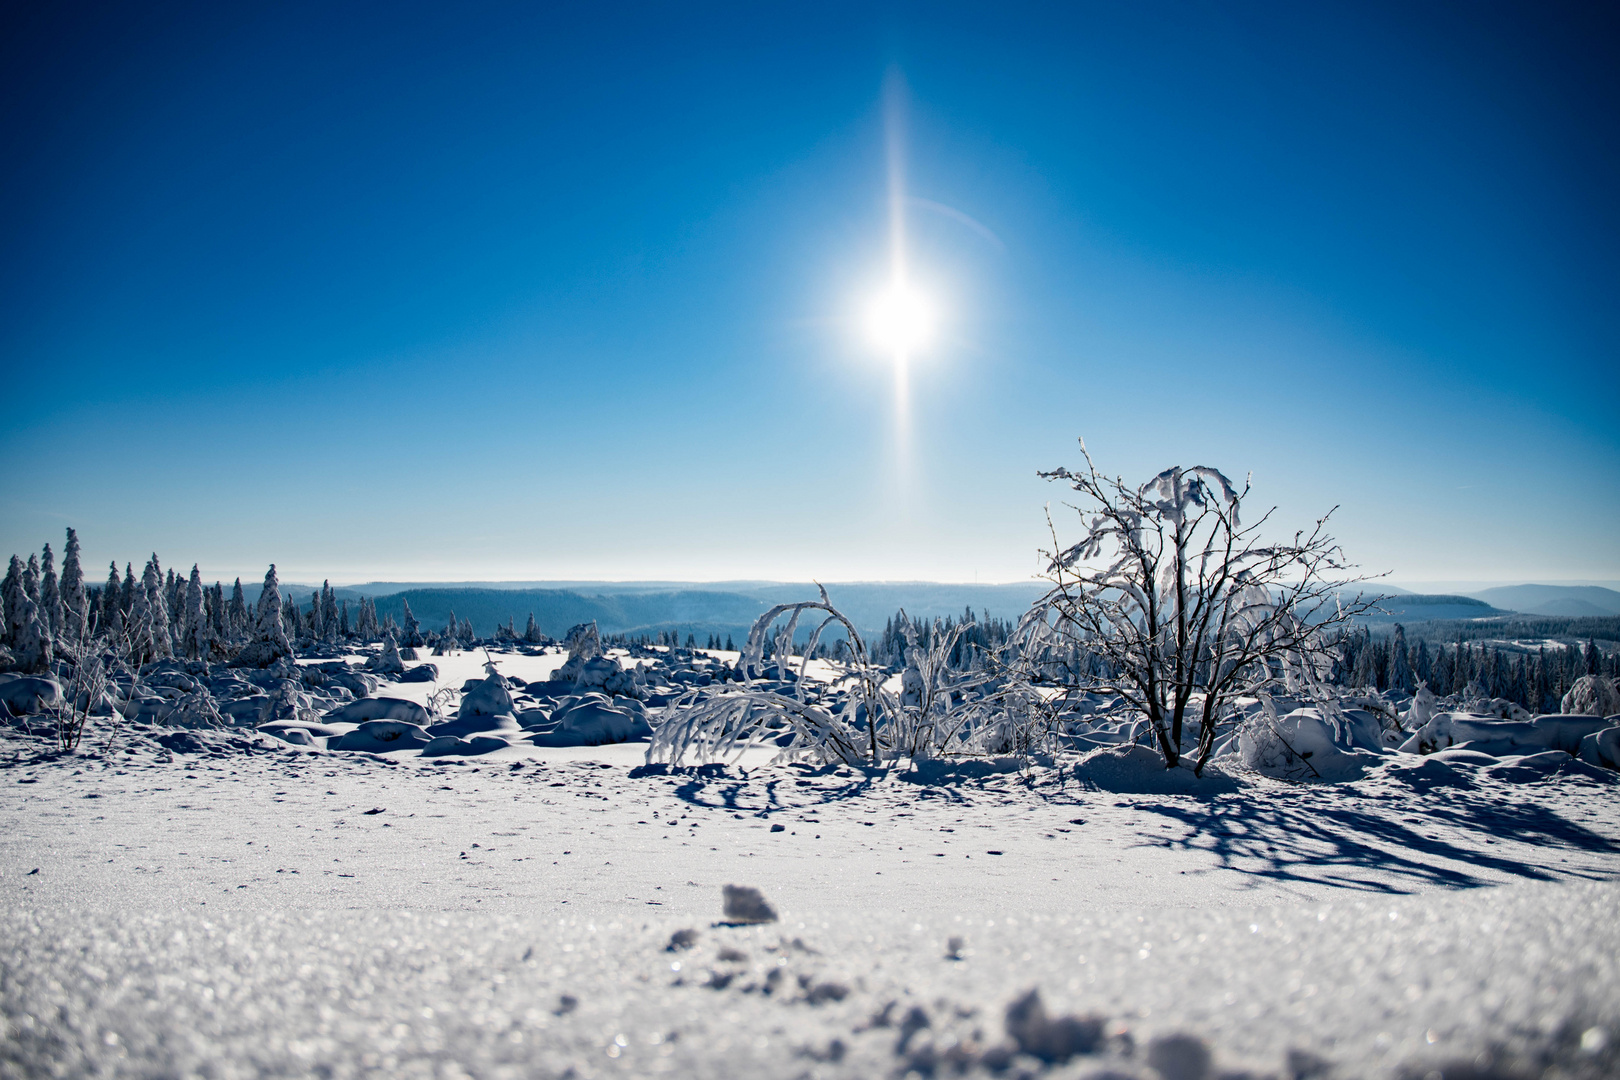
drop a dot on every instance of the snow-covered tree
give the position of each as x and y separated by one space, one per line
196 640
147 630
413 630
216 612
236 612
270 641
465 633
1171 603
75 599
1400 665
50 595
112 606
31 652
13 593
30 577
317 617
126 596
531 630
174 597
329 612
367 628
343 620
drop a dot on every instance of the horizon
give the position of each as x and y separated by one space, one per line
512 294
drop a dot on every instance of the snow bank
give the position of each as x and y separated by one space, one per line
1551 731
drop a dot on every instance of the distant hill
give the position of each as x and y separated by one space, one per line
1567 600
1425 607
649 607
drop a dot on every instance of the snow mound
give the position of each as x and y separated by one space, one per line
381 736
1299 746
1602 748
448 744
476 724
593 720
1139 770
488 698
379 708
30 694
304 733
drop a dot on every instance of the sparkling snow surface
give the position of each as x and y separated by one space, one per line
264 910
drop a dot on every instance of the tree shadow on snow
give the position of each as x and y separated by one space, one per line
1310 841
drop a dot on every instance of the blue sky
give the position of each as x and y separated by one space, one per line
497 291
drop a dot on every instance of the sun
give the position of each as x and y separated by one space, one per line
900 320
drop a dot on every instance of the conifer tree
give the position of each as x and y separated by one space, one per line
236 613
216 612
126 597
413 630
13 592
50 596
1400 666
75 601
149 619
368 628
317 617
329 612
270 641
196 642
343 620
31 652
30 577
531 630
112 607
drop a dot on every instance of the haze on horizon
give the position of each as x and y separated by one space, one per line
499 293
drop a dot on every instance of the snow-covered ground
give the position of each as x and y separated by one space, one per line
259 909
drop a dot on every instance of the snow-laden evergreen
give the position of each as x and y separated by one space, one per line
50 596
75 597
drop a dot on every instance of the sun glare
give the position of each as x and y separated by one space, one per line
900 321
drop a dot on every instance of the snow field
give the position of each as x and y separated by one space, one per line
239 911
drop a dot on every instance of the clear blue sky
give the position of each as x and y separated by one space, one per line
503 291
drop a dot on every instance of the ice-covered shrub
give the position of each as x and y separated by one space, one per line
1170 602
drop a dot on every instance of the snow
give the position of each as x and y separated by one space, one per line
228 904
364 886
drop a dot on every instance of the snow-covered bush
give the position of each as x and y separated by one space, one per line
855 719
1592 695
1170 602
